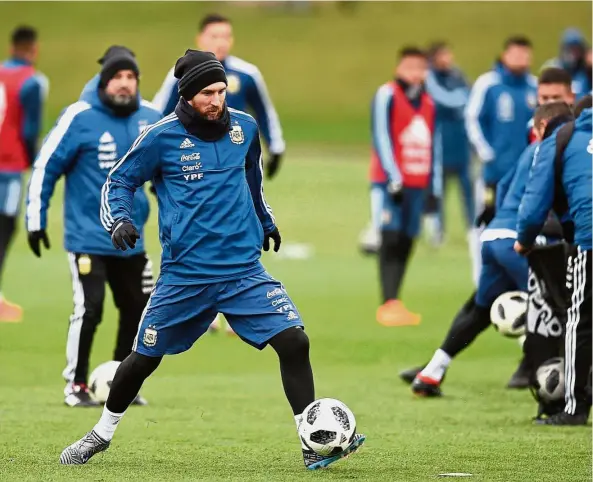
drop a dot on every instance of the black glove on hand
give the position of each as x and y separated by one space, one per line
273 165
275 235
396 191
34 238
123 232
489 210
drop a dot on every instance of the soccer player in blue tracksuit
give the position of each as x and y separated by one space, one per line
246 91
500 105
572 58
503 270
84 145
205 161
449 89
563 181
22 93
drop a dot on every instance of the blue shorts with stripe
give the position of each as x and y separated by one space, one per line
502 270
257 308
406 216
11 184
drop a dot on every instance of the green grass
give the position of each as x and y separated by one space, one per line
322 67
218 411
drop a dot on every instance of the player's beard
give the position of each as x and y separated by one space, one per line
122 99
213 113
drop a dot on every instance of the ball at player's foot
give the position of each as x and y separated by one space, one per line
327 426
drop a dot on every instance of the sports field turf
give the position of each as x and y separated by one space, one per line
218 411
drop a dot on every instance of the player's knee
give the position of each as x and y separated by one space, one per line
139 365
291 343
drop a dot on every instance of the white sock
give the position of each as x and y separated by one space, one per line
107 424
297 419
437 366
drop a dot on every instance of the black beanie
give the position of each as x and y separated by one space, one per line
117 58
196 70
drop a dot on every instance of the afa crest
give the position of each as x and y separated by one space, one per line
233 84
150 337
237 135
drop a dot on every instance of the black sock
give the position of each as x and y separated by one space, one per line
467 325
7 229
292 347
394 254
129 379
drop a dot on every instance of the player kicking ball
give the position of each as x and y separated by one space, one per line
205 162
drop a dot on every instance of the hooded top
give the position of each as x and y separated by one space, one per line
84 145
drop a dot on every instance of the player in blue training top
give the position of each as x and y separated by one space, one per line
561 178
206 164
246 91
22 93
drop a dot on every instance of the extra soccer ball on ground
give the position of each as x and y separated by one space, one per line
327 426
508 313
100 380
550 380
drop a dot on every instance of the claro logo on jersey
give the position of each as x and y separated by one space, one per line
192 169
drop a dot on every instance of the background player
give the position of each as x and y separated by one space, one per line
401 172
449 89
211 247
503 270
22 93
86 142
501 104
563 180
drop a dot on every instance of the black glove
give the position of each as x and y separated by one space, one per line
34 238
275 235
123 232
432 204
396 191
273 165
489 210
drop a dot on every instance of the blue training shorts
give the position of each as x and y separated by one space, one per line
256 307
502 270
404 217
10 193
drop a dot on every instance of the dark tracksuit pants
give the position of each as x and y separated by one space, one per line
131 282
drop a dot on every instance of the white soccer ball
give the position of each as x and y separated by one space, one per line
550 380
508 313
100 380
327 426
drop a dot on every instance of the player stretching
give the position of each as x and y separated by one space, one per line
503 269
401 169
205 160
22 90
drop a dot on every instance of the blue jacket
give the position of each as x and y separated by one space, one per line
212 211
576 180
32 96
510 190
450 92
500 106
84 145
246 91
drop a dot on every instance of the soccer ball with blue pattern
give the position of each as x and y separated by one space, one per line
327 427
